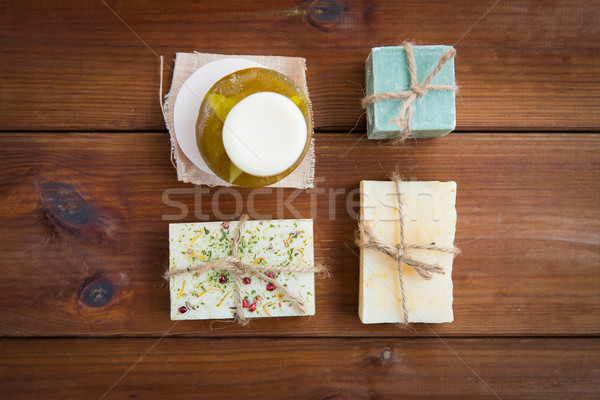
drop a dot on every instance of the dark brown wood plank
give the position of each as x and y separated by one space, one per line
525 65
300 368
85 212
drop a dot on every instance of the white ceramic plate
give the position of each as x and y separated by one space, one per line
189 99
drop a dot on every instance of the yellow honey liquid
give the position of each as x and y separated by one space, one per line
221 98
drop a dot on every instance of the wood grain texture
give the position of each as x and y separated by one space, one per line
525 65
84 233
300 368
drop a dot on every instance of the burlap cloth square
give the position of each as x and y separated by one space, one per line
185 64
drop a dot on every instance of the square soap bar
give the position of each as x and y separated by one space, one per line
430 218
268 242
433 115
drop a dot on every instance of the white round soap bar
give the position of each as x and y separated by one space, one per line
264 134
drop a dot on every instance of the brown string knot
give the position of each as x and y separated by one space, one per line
366 239
234 265
417 90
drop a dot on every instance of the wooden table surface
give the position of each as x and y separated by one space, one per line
87 191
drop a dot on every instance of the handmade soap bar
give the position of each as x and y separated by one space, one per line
270 242
387 70
429 219
254 127
264 134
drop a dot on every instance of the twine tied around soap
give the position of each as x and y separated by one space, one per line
417 90
238 268
366 239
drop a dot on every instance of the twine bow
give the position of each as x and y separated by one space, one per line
416 91
367 240
238 269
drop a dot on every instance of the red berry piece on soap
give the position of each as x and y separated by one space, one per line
222 279
247 280
252 307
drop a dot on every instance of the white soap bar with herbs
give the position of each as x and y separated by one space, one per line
429 218
269 242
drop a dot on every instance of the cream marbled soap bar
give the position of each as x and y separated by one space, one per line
268 242
430 218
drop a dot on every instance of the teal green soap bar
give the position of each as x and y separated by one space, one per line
434 114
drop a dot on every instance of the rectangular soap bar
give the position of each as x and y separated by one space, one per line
387 71
430 218
268 242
